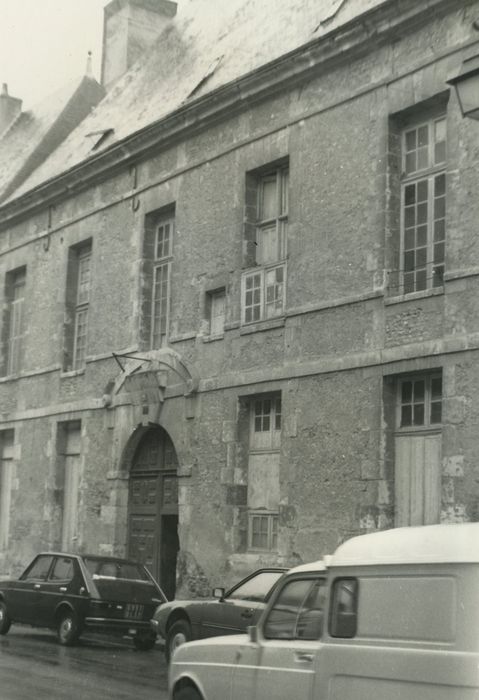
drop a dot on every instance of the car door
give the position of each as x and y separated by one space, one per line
54 589
241 606
24 595
281 665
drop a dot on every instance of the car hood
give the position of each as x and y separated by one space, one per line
165 608
217 649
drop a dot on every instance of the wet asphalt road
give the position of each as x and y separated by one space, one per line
33 666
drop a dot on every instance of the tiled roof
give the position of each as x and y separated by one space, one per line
35 134
207 45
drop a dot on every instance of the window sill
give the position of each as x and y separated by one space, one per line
72 373
212 338
262 325
414 296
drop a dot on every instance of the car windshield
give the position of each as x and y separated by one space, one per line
108 568
257 587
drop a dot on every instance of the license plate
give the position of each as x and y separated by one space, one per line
134 611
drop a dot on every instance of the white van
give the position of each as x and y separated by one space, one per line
393 616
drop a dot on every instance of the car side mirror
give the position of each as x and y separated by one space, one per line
252 632
219 593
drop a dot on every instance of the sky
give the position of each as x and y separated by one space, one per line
44 44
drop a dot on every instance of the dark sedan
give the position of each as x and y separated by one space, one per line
73 593
232 612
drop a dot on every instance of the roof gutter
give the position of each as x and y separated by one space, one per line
355 38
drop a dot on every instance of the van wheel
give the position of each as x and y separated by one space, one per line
178 634
188 692
68 629
144 641
5 621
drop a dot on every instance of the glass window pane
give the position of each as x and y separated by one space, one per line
419 414
440 185
409 217
419 389
421 280
406 416
409 239
421 255
422 158
268 204
422 191
422 214
438 276
436 388
411 162
410 194
439 208
421 235
411 140
281 620
409 260
406 392
423 135
257 587
440 153
408 283
439 229
436 412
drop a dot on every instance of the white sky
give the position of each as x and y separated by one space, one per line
44 44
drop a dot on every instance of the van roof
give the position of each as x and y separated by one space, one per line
452 543
306 568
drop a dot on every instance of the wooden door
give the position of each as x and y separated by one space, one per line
418 479
153 495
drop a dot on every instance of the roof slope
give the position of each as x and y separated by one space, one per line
207 45
35 134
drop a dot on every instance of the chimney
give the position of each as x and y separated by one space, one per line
10 108
129 29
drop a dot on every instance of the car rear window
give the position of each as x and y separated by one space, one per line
106 568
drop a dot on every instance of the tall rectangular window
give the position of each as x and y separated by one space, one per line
15 320
263 471
78 305
216 310
423 205
6 466
263 287
160 299
69 450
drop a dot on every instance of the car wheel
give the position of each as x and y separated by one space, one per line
188 692
178 634
68 629
5 621
144 641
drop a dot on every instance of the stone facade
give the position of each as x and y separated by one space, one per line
334 355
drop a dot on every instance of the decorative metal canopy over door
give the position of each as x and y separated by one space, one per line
153 507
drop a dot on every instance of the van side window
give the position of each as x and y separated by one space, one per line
297 612
344 606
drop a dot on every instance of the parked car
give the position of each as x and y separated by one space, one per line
73 593
394 615
180 621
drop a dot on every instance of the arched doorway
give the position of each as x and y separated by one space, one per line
153 507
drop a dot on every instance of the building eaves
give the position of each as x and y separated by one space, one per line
356 37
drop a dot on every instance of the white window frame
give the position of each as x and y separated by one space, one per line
265 440
271 533
427 425
430 172
163 254
82 304
16 321
279 221
266 308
